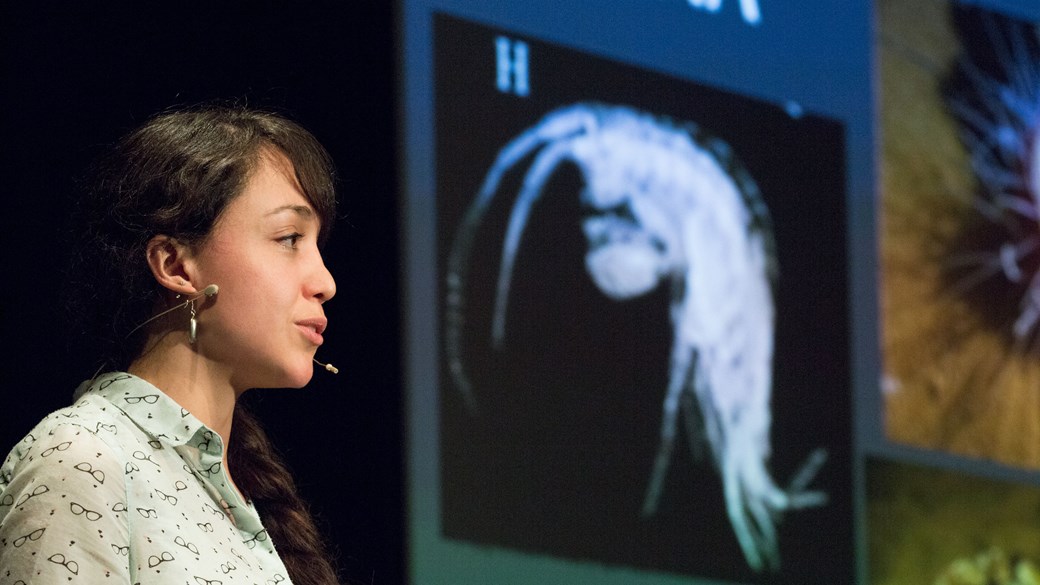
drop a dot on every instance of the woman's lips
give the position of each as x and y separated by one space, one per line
312 329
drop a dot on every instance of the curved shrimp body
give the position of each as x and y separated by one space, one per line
664 202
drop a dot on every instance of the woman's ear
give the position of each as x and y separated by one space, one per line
171 263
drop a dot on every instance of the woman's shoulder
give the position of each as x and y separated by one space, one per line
63 496
92 425
82 431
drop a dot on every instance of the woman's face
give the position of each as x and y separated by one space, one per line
266 322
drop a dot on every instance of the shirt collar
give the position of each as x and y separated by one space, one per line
147 406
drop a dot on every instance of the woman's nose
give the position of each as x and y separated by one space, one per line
322 285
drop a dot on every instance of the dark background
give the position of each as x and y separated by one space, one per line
75 76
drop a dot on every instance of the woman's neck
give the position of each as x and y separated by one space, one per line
198 385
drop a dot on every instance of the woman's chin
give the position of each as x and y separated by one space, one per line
298 378
287 376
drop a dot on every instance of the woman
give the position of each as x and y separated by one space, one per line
201 277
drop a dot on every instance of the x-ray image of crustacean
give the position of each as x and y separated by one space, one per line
666 205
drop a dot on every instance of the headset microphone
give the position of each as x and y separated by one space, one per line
328 367
207 292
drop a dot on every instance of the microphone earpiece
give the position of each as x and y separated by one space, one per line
207 292
328 367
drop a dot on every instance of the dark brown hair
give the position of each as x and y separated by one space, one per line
175 175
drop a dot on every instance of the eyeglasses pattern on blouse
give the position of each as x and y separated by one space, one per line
172 500
63 446
140 456
156 560
148 399
32 536
179 541
139 459
259 536
85 467
104 427
38 491
79 510
59 559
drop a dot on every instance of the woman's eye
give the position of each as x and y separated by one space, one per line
290 240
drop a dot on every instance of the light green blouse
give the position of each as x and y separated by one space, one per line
125 486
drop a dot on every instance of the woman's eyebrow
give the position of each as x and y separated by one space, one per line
301 210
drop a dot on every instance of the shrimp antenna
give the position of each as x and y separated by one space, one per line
553 127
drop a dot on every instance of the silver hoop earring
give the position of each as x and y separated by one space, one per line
193 324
